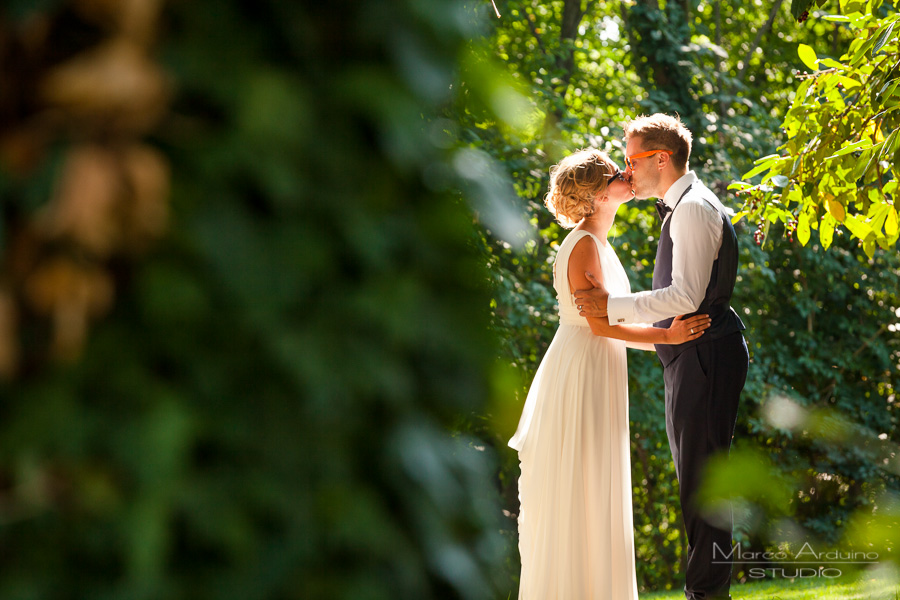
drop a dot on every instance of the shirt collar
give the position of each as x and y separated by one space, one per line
673 195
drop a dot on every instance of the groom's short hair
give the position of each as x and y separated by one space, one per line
662 132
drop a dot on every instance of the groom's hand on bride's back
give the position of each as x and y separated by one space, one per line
592 301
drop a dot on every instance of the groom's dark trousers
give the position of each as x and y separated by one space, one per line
704 379
703 386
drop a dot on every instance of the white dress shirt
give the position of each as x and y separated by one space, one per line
696 232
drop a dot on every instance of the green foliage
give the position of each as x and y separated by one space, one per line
819 406
837 168
659 38
265 414
829 394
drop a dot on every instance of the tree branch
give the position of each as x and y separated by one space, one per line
534 31
835 34
571 19
759 36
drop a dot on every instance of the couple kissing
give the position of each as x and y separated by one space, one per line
575 520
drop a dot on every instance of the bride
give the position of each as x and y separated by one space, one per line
575 522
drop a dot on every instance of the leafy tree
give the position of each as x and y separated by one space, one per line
837 168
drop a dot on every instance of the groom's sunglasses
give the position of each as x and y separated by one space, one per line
629 160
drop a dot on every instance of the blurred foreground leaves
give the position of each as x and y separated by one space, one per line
82 189
262 412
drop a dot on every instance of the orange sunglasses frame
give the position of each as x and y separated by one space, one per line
629 160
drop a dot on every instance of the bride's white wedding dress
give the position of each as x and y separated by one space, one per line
575 522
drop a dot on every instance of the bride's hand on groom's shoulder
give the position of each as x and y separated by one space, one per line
592 302
684 330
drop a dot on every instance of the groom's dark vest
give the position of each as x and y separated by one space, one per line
717 301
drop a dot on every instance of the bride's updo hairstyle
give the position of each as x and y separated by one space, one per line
574 184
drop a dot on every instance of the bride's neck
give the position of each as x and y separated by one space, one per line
600 222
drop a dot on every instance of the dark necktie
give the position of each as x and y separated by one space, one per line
662 210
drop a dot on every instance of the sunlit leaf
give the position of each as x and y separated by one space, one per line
803 228
780 180
890 144
800 97
857 228
766 159
890 223
860 145
848 82
832 64
762 166
808 56
869 246
835 209
861 51
883 39
852 6
826 231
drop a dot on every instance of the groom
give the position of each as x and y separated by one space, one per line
695 272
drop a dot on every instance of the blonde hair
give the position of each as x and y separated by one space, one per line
662 132
574 184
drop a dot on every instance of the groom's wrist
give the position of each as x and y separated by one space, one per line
620 310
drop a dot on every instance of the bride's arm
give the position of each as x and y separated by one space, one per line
641 345
585 257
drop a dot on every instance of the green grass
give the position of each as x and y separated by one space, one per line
803 589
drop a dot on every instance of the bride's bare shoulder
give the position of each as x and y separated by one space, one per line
585 257
586 247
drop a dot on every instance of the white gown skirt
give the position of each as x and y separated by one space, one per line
576 535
